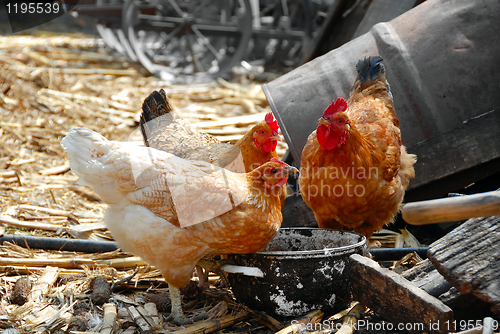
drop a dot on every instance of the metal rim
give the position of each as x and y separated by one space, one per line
320 252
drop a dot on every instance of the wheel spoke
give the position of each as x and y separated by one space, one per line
285 8
176 7
172 34
188 38
206 42
198 67
202 5
168 19
183 49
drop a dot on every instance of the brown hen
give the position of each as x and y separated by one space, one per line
354 168
161 131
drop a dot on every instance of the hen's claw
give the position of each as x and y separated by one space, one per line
183 320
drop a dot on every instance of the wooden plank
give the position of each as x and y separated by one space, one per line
418 271
469 258
456 182
44 283
433 283
395 298
452 208
427 278
109 318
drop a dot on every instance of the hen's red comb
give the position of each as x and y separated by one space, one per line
272 122
278 160
334 107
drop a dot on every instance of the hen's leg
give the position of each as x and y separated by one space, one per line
213 266
177 315
175 297
202 277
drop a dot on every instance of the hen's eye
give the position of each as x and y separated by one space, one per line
274 170
340 121
262 131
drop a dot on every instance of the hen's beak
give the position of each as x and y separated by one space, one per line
290 170
323 121
277 137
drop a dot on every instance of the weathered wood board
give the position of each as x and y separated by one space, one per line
469 258
464 306
395 298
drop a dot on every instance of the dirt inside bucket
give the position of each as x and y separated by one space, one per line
304 269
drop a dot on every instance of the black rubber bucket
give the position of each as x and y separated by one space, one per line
304 269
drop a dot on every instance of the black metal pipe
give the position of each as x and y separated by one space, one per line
74 245
93 246
395 254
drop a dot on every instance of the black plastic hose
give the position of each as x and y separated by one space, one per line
74 245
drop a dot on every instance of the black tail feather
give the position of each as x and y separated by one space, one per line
370 68
154 106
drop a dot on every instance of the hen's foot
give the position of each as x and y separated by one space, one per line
178 318
211 265
177 315
181 320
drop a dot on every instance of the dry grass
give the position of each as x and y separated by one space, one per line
49 85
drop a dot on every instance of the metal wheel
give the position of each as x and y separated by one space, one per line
188 40
283 32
